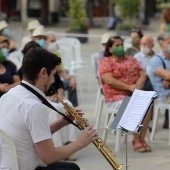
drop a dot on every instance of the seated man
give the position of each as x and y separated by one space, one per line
68 81
144 57
25 118
160 71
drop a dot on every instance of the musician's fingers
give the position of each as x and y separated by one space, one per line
89 127
95 138
78 110
94 134
92 131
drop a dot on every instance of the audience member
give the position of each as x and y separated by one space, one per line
144 57
4 30
68 81
120 76
32 25
39 35
103 41
25 118
136 35
8 75
160 72
165 26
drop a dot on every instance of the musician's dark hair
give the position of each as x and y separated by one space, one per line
109 44
29 45
36 59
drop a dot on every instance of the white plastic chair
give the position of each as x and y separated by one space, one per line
12 150
64 52
100 97
77 51
68 57
118 132
74 57
158 106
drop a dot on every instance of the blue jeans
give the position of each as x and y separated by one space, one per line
72 94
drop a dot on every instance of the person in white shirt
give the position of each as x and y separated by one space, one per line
32 25
17 56
144 57
25 118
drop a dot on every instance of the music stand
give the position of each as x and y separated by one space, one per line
114 121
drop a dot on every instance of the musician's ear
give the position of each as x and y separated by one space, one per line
43 72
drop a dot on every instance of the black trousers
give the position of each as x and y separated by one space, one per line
60 166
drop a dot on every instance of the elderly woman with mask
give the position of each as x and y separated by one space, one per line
120 76
8 75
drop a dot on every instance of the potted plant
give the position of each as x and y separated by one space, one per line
78 18
128 12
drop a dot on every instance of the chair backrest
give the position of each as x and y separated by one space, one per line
12 150
77 48
94 62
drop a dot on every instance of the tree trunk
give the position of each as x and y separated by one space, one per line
45 12
90 9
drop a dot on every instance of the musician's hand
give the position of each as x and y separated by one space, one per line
52 98
89 135
71 117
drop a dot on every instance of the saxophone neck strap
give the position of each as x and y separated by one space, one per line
45 102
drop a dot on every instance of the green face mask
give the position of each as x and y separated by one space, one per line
118 51
2 57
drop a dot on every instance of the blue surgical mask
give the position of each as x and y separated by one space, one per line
42 43
5 52
168 50
5 32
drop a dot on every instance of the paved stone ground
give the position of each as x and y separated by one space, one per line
90 158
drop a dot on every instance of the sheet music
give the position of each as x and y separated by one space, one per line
136 109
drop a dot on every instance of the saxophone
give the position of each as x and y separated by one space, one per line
101 146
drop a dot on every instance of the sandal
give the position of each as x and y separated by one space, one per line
138 146
147 147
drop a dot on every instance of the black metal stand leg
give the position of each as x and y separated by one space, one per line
126 151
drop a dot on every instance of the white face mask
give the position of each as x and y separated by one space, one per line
53 46
145 50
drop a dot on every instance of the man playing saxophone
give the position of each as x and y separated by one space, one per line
25 119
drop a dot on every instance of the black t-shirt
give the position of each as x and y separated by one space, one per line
7 77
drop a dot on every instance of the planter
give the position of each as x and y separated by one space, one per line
77 34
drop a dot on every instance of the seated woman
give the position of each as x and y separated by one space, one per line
8 75
120 76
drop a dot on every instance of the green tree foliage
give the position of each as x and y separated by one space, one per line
128 10
77 15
